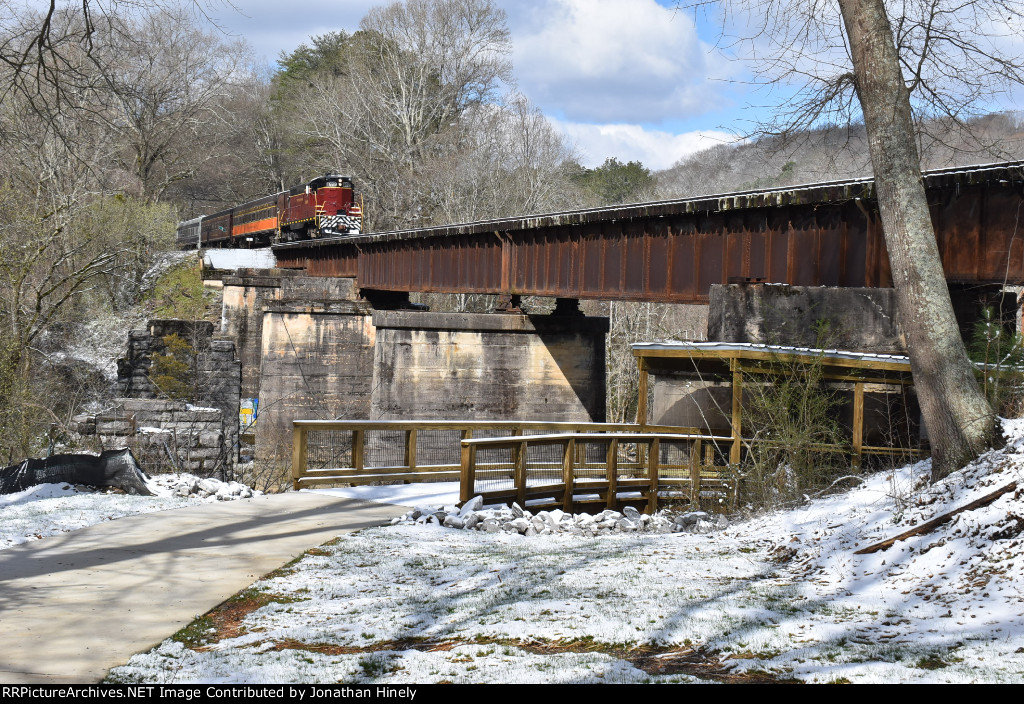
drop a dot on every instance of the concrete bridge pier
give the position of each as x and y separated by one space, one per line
327 355
488 366
246 298
317 363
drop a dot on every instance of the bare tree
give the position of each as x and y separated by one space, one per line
49 50
629 323
433 60
44 266
40 52
387 101
961 424
893 68
497 161
72 243
164 80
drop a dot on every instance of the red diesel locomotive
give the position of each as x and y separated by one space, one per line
323 207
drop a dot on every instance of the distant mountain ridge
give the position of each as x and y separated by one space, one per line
835 153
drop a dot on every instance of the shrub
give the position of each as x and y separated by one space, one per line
173 372
179 294
999 357
796 442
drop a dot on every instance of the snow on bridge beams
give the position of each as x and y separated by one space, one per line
825 234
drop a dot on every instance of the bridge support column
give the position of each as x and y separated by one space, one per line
858 319
250 291
488 366
317 364
245 295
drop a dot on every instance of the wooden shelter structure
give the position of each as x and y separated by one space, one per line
724 366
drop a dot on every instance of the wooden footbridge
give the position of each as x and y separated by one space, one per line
580 466
572 466
672 251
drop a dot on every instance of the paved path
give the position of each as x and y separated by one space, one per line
75 605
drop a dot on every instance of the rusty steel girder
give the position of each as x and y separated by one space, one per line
673 251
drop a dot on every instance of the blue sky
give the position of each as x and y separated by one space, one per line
631 79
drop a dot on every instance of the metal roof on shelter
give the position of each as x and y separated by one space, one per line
737 348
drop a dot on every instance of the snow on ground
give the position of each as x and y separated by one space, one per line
99 341
783 594
52 509
439 494
780 596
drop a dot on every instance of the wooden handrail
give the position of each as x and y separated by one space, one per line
694 474
558 438
484 425
648 460
412 467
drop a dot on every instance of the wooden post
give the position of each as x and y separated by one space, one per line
641 409
858 424
358 436
612 462
737 416
695 462
519 472
652 470
299 460
410 449
568 457
467 478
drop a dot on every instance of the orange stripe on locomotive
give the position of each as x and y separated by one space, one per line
247 228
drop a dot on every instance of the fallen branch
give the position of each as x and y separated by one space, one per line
829 487
938 521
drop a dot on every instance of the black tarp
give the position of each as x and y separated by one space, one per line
116 468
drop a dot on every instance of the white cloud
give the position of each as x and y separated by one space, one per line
612 60
656 149
271 30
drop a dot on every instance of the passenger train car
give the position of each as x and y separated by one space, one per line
323 207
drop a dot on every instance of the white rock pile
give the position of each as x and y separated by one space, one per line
192 487
473 516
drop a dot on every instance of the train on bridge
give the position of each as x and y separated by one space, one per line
327 206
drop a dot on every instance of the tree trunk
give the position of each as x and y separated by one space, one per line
960 422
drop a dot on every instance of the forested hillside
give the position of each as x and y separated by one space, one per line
835 153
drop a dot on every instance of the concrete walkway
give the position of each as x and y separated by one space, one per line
75 605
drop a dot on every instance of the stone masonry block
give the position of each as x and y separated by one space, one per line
196 416
181 427
205 454
211 439
84 424
146 404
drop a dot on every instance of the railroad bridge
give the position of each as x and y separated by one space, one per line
825 234
328 334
